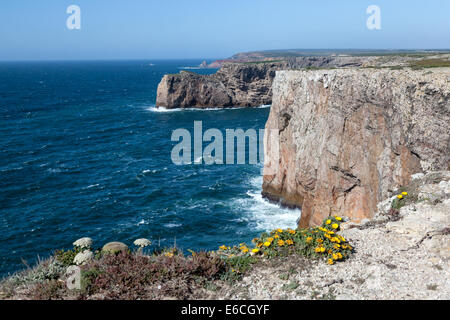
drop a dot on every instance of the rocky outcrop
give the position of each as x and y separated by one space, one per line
401 257
348 136
234 85
237 84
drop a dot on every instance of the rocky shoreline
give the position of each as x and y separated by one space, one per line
402 253
363 151
246 81
237 84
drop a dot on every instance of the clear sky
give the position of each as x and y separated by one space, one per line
151 29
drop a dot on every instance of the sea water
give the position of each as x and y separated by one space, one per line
84 152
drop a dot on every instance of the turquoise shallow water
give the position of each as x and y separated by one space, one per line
84 152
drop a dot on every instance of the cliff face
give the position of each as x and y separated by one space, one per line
236 84
347 136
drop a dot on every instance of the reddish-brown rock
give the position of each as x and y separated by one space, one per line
349 136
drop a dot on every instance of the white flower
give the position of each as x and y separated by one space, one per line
83 257
83 243
142 242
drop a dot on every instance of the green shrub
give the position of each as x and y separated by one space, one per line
66 257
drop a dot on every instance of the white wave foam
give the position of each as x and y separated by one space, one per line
142 222
163 109
190 68
92 186
172 225
262 214
149 171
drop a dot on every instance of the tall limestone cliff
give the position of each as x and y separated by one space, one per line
347 137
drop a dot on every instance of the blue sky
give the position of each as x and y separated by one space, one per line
151 29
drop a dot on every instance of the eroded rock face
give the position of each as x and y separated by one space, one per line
236 84
349 136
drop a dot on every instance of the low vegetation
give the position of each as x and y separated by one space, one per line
169 273
430 63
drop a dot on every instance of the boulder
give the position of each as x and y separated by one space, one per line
114 247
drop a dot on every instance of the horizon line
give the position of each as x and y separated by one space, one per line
222 58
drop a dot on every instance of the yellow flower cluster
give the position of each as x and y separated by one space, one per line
320 241
403 194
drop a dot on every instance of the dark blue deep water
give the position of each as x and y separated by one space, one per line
84 152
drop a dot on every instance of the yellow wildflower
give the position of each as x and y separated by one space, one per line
335 256
223 247
256 250
292 231
280 243
328 221
267 243
400 196
279 230
404 193
270 239
330 261
289 242
322 249
244 249
317 249
309 239
335 226
276 236
338 218
319 240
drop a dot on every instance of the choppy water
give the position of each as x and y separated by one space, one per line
84 152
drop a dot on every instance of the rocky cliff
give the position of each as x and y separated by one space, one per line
348 136
237 84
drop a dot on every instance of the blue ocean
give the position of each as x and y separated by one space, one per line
85 152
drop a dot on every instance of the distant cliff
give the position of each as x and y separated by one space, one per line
237 84
347 136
